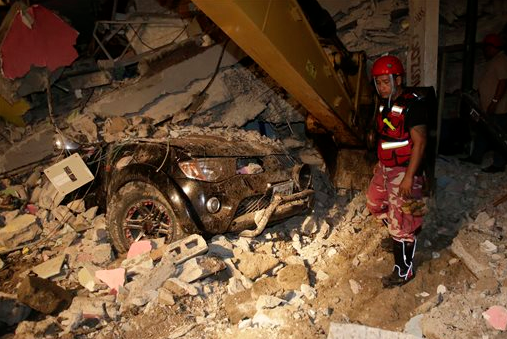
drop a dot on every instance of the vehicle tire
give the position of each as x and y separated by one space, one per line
139 210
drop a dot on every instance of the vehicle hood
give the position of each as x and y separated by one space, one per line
217 146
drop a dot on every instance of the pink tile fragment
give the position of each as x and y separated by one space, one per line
139 247
32 209
112 278
496 317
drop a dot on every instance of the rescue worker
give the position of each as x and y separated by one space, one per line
395 191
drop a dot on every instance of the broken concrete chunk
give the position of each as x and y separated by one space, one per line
84 125
184 249
496 316
220 247
138 248
465 246
165 297
354 286
488 247
43 295
266 286
20 230
11 310
292 276
235 286
77 206
50 198
308 291
90 213
102 254
140 264
349 331
200 268
253 265
180 288
86 277
112 278
239 306
268 301
63 214
141 290
49 268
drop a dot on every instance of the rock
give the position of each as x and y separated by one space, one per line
239 306
268 301
11 310
180 288
199 268
488 247
102 254
308 291
292 276
33 178
165 297
43 295
321 275
354 286
43 328
235 286
441 289
487 285
20 230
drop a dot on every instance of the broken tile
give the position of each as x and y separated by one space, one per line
496 316
86 277
49 268
113 278
139 247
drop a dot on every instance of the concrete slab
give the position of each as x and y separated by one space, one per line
20 230
50 268
31 149
466 246
132 99
353 331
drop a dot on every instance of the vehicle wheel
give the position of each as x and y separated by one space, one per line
138 210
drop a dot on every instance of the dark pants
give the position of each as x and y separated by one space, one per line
484 141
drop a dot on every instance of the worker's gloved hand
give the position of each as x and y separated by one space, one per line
415 207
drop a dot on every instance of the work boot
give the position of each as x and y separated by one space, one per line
403 270
387 244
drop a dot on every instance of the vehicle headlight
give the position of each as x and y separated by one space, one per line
205 169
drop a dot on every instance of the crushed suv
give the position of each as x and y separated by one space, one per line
206 184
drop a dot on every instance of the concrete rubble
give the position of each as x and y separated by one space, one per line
311 274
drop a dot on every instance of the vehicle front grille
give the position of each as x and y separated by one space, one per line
252 204
286 161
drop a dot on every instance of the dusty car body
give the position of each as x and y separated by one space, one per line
199 184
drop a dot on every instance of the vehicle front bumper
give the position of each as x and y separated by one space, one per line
288 206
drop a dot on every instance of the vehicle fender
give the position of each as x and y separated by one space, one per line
188 218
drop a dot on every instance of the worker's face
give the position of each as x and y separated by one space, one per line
385 86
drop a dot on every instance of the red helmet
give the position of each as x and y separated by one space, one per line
388 64
493 39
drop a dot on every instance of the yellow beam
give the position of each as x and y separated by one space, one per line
277 36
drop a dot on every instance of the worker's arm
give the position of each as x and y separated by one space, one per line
501 87
418 135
